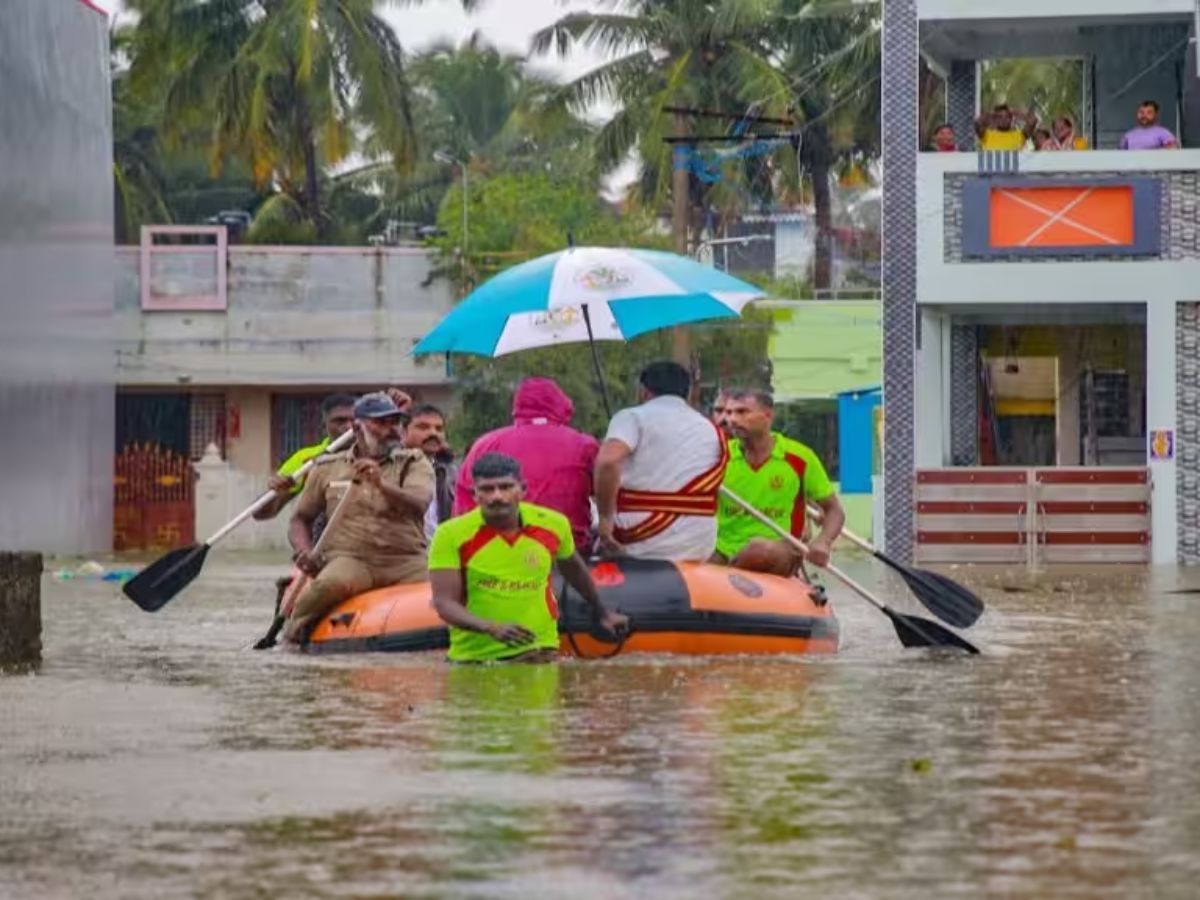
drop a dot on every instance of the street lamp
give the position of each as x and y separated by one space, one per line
725 242
446 159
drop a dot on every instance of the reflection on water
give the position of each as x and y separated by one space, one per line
154 756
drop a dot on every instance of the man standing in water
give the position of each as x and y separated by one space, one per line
779 477
490 572
379 538
658 473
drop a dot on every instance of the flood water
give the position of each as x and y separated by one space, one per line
155 756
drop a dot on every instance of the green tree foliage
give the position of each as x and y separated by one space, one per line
287 86
1048 87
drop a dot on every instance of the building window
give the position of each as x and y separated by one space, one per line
295 423
206 424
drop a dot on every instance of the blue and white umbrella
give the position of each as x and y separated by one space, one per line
586 294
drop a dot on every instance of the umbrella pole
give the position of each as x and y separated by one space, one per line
587 320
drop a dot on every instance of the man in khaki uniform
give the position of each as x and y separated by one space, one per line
379 538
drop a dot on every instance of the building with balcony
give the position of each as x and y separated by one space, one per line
1042 309
224 354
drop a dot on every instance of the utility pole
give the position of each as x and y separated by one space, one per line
680 207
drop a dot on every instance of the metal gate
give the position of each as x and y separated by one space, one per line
1015 516
153 500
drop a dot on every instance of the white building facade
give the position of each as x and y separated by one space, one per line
1045 297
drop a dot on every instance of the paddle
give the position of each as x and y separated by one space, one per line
160 581
913 631
300 581
942 596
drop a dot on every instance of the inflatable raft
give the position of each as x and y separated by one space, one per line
688 608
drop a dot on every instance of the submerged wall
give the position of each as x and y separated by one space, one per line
56 278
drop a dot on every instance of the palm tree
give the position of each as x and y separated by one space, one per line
665 53
831 57
475 103
286 85
777 58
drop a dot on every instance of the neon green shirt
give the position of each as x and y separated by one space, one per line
505 578
292 464
780 487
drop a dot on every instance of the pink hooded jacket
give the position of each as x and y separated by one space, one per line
555 459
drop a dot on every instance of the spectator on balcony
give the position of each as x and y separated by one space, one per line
1148 135
944 139
1044 140
1064 137
997 130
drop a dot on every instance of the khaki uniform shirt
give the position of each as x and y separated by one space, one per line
370 529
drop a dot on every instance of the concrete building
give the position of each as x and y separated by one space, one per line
56 236
1041 314
225 353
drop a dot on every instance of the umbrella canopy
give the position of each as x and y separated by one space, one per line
586 294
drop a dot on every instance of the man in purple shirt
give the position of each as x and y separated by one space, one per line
1148 135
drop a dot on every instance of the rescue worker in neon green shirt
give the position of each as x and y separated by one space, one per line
777 476
490 572
337 414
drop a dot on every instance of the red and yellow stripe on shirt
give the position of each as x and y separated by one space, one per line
699 497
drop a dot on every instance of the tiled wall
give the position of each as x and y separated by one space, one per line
1187 431
960 102
964 396
901 65
1180 236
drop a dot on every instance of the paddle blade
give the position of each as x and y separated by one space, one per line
942 596
917 632
156 584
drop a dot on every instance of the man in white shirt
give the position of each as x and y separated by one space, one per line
658 473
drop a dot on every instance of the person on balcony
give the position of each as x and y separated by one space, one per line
944 139
997 130
1063 136
1148 135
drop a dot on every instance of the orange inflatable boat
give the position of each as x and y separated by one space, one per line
688 608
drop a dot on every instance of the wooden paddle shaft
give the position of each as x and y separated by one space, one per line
819 517
799 545
340 443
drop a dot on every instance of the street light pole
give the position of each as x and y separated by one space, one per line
443 157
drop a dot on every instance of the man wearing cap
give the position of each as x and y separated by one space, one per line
379 538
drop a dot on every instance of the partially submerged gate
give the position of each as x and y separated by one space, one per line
1020 516
153 499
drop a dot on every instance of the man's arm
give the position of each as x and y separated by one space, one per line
282 486
981 124
607 475
414 493
833 519
1031 123
575 571
449 600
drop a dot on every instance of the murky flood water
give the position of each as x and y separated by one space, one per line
155 756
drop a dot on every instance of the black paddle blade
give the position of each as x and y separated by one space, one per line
942 596
917 632
270 639
156 584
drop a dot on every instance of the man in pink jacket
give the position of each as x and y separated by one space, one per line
556 460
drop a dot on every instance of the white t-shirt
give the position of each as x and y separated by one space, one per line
672 444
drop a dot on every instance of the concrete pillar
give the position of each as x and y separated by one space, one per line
1067 437
900 93
960 102
1161 384
20 609
964 396
931 400
214 505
